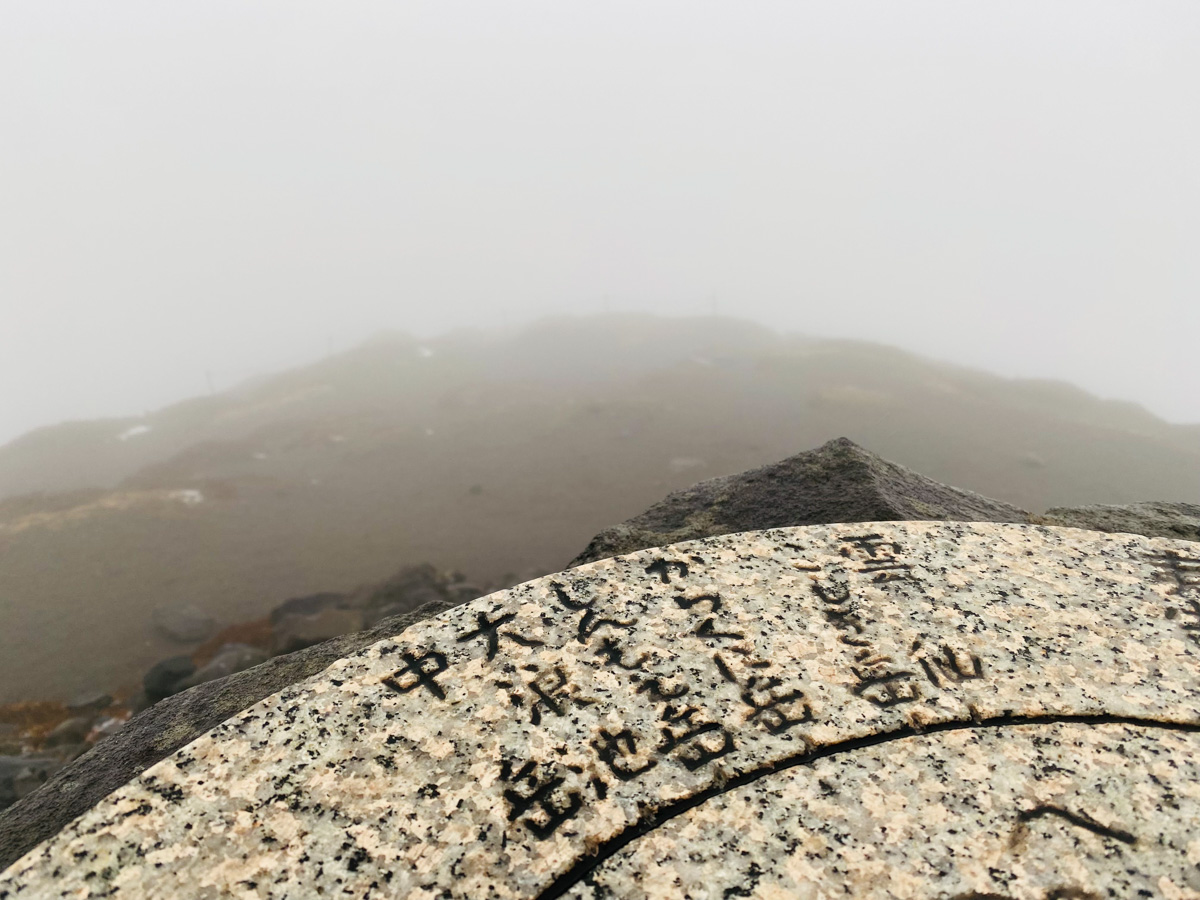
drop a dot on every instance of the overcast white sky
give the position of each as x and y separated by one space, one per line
226 186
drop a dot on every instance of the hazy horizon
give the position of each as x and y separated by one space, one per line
298 361
197 194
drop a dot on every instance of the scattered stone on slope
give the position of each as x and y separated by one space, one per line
91 702
305 621
229 659
20 776
184 624
837 482
165 676
73 731
164 728
1180 521
913 709
410 588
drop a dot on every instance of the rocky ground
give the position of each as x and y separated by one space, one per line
59 759
38 737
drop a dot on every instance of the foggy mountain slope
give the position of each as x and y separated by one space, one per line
391 371
395 371
500 456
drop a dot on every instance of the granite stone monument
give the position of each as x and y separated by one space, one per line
901 709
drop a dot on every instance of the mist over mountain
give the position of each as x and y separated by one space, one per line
498 454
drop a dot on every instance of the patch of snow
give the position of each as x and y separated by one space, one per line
132 432
188 496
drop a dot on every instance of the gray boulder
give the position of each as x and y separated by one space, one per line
164 728
304 621
91 702
73 731
410 588
837 482
165 677
185 624
297 630
21 776
1179 521
229 659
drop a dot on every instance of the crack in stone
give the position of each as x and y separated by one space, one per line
583 868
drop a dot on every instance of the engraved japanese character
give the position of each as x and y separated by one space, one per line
419 671
614 655
591 621
698 742
658 691
619 752
882 557
549 692
538 787
1182 572
713 601
707 629
885 686
832 593
772 705
490 628
948 667
663 567
873 545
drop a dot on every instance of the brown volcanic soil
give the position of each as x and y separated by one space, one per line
500 456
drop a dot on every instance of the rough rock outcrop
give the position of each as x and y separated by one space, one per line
1180 521
164 728
837 482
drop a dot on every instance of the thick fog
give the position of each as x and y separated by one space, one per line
193 193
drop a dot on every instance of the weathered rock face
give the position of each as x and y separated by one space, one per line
163 729
1180 521
837 482
911 709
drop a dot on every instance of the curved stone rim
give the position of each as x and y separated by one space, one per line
655 575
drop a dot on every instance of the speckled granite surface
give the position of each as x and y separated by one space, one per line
1025 811
507 747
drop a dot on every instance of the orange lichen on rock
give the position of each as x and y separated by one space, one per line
34 718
